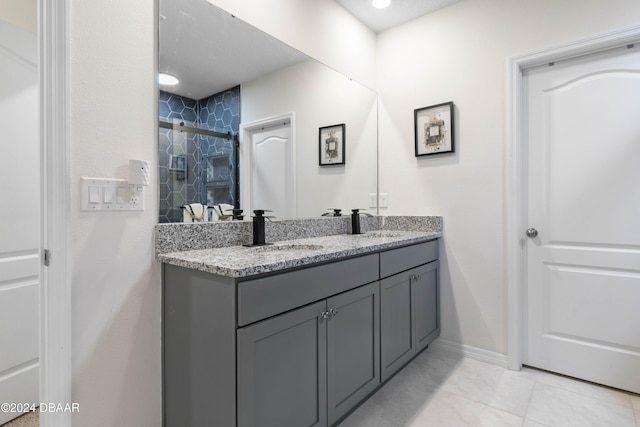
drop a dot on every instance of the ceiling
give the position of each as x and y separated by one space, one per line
399 12
211 51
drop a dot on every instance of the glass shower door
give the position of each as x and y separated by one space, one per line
180 171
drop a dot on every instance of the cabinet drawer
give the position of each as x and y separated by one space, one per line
268 296
401 259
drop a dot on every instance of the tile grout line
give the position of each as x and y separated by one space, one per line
526 411
608 402
488 405
628 394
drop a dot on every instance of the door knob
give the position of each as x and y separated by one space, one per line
532 233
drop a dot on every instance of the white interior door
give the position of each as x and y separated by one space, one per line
583 268
269 168
19 218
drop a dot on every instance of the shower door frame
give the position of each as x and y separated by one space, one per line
228 136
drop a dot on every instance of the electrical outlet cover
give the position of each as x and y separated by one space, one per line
373 200
384 200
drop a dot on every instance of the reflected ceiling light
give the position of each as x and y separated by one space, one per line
167 79
380 4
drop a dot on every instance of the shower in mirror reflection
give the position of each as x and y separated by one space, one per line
196 151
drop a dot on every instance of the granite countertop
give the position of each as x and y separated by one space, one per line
241 261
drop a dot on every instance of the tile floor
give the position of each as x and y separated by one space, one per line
441 390
31 419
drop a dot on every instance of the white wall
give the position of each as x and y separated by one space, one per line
115 282
22 13
460 54
320 97
320 28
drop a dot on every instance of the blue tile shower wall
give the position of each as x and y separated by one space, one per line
219 113
209 175
178 187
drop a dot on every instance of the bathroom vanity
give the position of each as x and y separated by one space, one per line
294 334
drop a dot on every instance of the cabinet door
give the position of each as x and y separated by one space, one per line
353 348
396 323
282 370
426 305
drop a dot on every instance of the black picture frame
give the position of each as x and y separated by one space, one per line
434 129
331 145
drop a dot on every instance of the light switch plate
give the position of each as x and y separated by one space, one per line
112 195
373 200
93 194
384 200
123 195
109 195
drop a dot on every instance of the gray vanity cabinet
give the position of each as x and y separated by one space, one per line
396 328
425 305
408 306
310 366
282 365
353 348
300 347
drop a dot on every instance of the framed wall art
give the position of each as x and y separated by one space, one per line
434 129
331 142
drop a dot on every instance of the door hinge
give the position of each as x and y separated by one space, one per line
46 257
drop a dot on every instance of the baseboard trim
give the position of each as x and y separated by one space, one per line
454 348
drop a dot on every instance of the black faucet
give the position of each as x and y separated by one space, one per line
258 227
336 212
355 221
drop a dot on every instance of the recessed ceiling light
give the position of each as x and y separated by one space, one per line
167 79
380 4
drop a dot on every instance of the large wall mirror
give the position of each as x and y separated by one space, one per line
255 123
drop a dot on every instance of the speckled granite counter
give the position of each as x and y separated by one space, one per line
240 261
179 237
